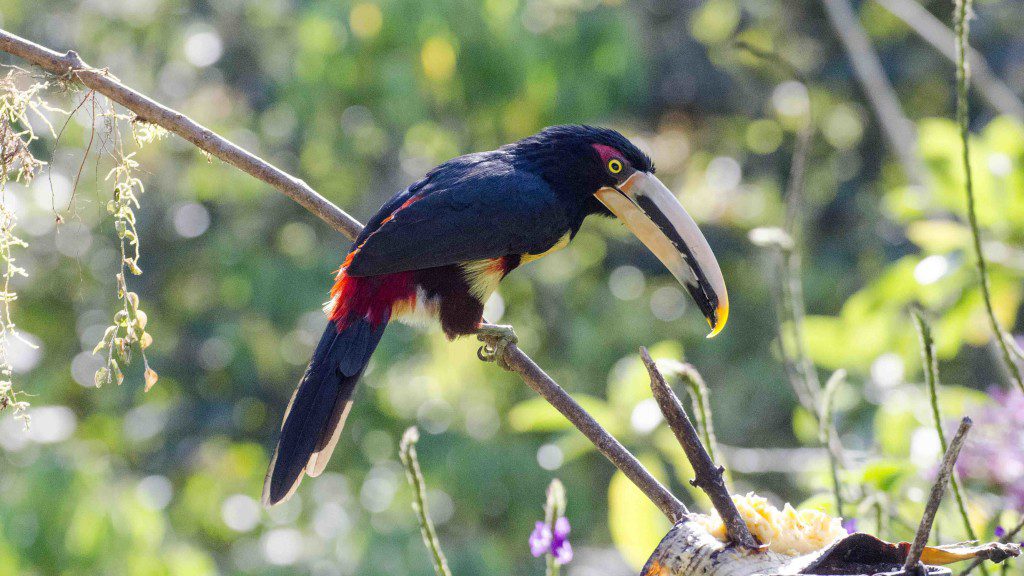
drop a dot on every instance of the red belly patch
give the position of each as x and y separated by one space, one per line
371 297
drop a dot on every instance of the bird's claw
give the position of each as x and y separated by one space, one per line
496 339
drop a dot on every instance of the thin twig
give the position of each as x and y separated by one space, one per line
1000 96
1011 535
707 476
867 67
407 453
931 376
935 498
962 117
150 111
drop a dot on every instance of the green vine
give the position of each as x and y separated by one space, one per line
1003 340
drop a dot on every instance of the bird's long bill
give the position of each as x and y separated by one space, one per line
654 215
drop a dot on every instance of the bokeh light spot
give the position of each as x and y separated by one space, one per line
438 59
550 457
203 47
366 20
627 283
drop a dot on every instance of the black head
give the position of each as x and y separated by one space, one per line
599 171
580 159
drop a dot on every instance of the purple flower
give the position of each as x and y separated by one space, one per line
560 546
850 525
993 457
540 540
543 541
563 553
999 531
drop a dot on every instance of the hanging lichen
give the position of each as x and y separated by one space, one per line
19 165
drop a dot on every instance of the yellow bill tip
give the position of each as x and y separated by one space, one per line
722 315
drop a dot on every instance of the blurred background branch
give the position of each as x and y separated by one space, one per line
1000 96
898 129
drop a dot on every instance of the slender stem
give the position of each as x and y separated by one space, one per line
962 116
935 498
554 508
879 517
700 400
826 430
788 299
707 476
931 376
407 453
805 394
70 64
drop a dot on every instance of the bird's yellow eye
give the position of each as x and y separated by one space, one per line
614 166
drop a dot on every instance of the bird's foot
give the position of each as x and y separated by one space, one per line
496 339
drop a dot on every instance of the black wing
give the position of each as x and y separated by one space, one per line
471 208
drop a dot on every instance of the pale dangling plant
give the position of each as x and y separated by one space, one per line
17 164
129 326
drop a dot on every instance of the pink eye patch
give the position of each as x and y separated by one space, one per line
606 152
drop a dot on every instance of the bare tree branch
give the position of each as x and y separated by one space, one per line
898 129
997 93
707 475
71 65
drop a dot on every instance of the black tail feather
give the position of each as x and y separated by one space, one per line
319 406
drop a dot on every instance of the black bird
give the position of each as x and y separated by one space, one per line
442 245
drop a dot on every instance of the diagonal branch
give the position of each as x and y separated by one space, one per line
935 498
541 383
71 66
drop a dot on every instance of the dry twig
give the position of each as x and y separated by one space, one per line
935 498
707 476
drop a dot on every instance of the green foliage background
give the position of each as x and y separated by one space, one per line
359 99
